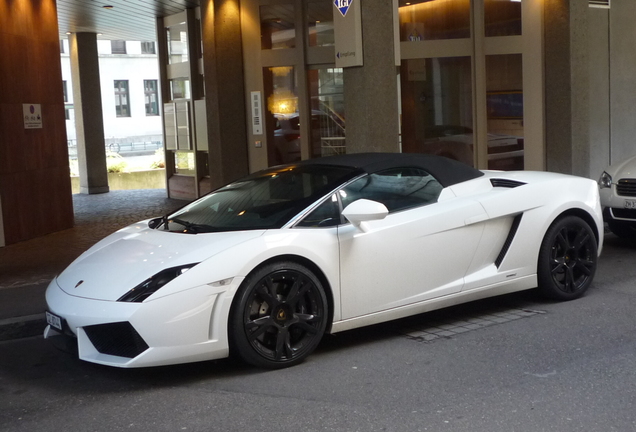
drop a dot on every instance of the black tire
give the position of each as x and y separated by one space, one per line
279 316
622 229
567 259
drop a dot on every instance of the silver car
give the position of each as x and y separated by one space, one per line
617 187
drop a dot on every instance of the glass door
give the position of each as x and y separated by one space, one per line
464 66
291 67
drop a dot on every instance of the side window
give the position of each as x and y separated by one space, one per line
396 188
326 214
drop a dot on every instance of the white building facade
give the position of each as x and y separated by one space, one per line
130 96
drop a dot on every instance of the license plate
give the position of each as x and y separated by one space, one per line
54 320
630 204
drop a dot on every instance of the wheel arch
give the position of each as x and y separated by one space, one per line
311 266
583 215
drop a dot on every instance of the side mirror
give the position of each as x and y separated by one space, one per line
364 210
154 223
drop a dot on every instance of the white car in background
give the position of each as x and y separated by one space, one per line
617 187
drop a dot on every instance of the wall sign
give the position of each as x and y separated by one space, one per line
347 28
32 114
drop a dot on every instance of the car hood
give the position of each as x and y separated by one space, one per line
128 257
625 169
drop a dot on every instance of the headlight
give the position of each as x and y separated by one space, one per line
605 181
145 289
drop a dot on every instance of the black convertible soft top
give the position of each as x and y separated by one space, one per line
447 171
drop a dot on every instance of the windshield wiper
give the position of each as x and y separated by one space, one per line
191 228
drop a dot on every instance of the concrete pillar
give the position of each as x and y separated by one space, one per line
89 124
567 87
622 64
370 91
224 90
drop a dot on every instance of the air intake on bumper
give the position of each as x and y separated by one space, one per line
117 339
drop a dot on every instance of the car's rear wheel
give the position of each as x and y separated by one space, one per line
279 316
567 259
622 229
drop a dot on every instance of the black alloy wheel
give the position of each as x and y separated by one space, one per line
279 316
567 259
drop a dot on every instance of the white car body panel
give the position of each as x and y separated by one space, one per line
435 270
437 255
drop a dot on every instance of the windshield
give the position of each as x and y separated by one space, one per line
264 200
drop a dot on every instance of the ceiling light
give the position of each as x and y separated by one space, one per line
108 6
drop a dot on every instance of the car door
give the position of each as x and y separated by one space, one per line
419 251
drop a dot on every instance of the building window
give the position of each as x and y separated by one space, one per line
320 23
177 43
118 47
151 97
278 29
122 103
148 48
61 46
66 113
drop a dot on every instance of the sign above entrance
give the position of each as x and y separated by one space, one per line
343 6
347 29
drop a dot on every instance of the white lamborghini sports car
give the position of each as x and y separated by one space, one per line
263 267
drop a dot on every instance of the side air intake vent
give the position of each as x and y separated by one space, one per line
508 242
505 183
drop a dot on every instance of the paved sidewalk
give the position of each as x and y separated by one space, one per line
27 268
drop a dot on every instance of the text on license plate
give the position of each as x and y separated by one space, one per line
630 204
54 320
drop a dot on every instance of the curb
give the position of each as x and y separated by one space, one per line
22 327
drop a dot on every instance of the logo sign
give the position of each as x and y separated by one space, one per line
347 31
343 6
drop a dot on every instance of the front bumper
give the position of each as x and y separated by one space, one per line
184 327
611 214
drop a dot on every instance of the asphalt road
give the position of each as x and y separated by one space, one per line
524 364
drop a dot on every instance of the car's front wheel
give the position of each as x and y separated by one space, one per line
279 316
567 259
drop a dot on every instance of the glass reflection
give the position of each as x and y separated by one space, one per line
320 22
437 105
277 26
504 99
177 43
502 17
282 119
434 19
327 112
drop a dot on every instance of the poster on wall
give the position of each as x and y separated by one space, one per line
32 114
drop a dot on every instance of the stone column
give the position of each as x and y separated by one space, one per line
224 90
370 91
89 124
567 88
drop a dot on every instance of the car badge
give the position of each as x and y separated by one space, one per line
79 283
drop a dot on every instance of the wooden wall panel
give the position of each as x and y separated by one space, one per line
35 186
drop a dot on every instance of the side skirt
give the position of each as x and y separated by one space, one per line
521 284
